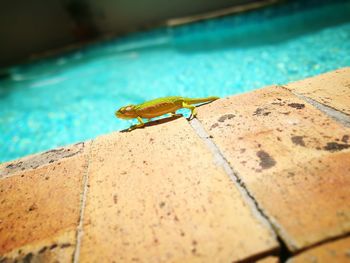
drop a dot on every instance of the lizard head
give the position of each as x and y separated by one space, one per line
127 112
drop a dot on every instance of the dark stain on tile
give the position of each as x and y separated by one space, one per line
226 117
298 106
214 125
290 174
28 258
53 246
14 165
285 113
257 111
38 160
278 103
64 245
266 161
298 140
261 112
33 257
58 150
115 199
32 207
42 250
345 139
334 146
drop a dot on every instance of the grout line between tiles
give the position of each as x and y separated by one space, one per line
329 111
79 234
220 160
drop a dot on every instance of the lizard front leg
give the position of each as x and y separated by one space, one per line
141 124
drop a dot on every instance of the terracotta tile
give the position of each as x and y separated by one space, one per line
336 251
37 160
58 248
155 195
331 89
42 203
290 156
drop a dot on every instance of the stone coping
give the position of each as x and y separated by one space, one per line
258 177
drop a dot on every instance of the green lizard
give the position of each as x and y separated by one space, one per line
158 107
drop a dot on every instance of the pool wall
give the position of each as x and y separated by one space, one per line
258 176
41 28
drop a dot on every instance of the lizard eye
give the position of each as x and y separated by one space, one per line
128 108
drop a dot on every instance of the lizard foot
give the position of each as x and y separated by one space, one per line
192 116
136 126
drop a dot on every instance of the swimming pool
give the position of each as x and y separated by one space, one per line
73 97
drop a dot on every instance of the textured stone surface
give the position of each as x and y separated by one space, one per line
331 89
59 248
291 157
41 204
155 195
37 160
336 251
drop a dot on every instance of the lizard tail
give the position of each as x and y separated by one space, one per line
200 100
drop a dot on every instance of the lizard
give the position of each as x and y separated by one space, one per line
158 107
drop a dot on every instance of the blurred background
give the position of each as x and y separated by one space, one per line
30 28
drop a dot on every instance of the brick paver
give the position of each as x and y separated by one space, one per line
292 158
40 210
331 89
155 195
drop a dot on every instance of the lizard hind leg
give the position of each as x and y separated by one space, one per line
190 107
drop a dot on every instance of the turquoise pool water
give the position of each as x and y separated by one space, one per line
73 97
